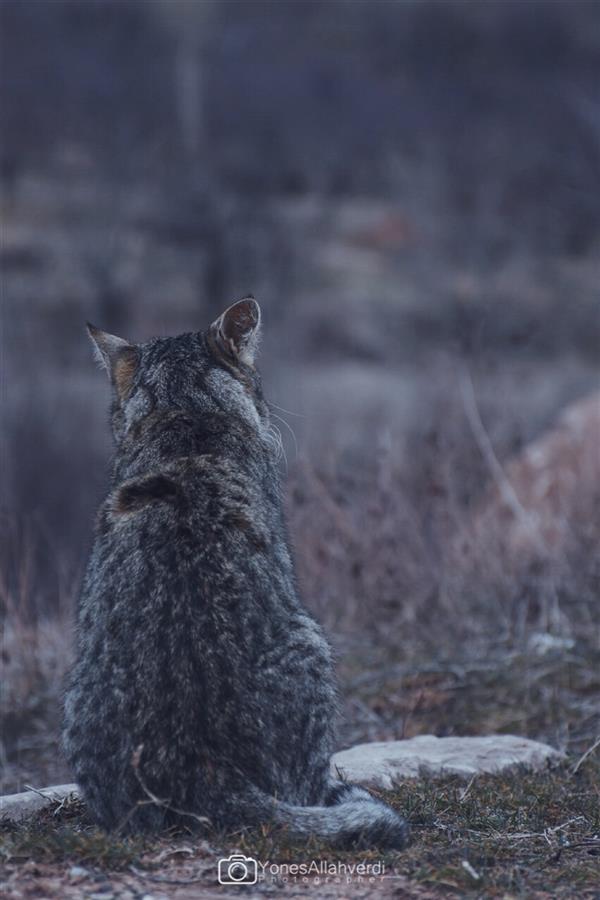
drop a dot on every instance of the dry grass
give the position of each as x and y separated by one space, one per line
35 657
388 543
35 653
550 696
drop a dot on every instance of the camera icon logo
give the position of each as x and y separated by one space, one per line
238 869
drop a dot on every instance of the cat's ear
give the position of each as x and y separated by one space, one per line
117 356
237 330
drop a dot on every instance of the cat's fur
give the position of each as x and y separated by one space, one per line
200 680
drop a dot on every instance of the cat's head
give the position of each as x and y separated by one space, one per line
205 373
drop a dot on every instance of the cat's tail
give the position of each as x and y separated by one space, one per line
351 818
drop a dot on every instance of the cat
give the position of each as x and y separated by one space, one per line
202 690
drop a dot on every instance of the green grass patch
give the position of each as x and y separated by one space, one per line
516 834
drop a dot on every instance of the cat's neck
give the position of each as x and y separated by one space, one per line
159 440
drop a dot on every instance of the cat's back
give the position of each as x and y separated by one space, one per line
190 605
197 501
192 544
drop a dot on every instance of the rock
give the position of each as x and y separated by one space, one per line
381 764
76 873
20 806
541 643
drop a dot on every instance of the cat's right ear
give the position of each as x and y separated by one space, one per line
117 356
237 330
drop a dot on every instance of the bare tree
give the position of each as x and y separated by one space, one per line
192 25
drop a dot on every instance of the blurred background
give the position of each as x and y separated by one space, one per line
412 191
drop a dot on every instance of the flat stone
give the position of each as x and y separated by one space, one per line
381 764
20 806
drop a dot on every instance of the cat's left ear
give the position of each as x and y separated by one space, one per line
237 330
117 356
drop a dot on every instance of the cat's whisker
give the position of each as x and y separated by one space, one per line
277 443
283 409
290 429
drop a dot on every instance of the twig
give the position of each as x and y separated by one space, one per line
463 796
141 874
48 797
565 824
130 813
62 804
470 870
484 443
153 800
36 791
587 753
577 845
527 835
590 842
166 804
174 851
